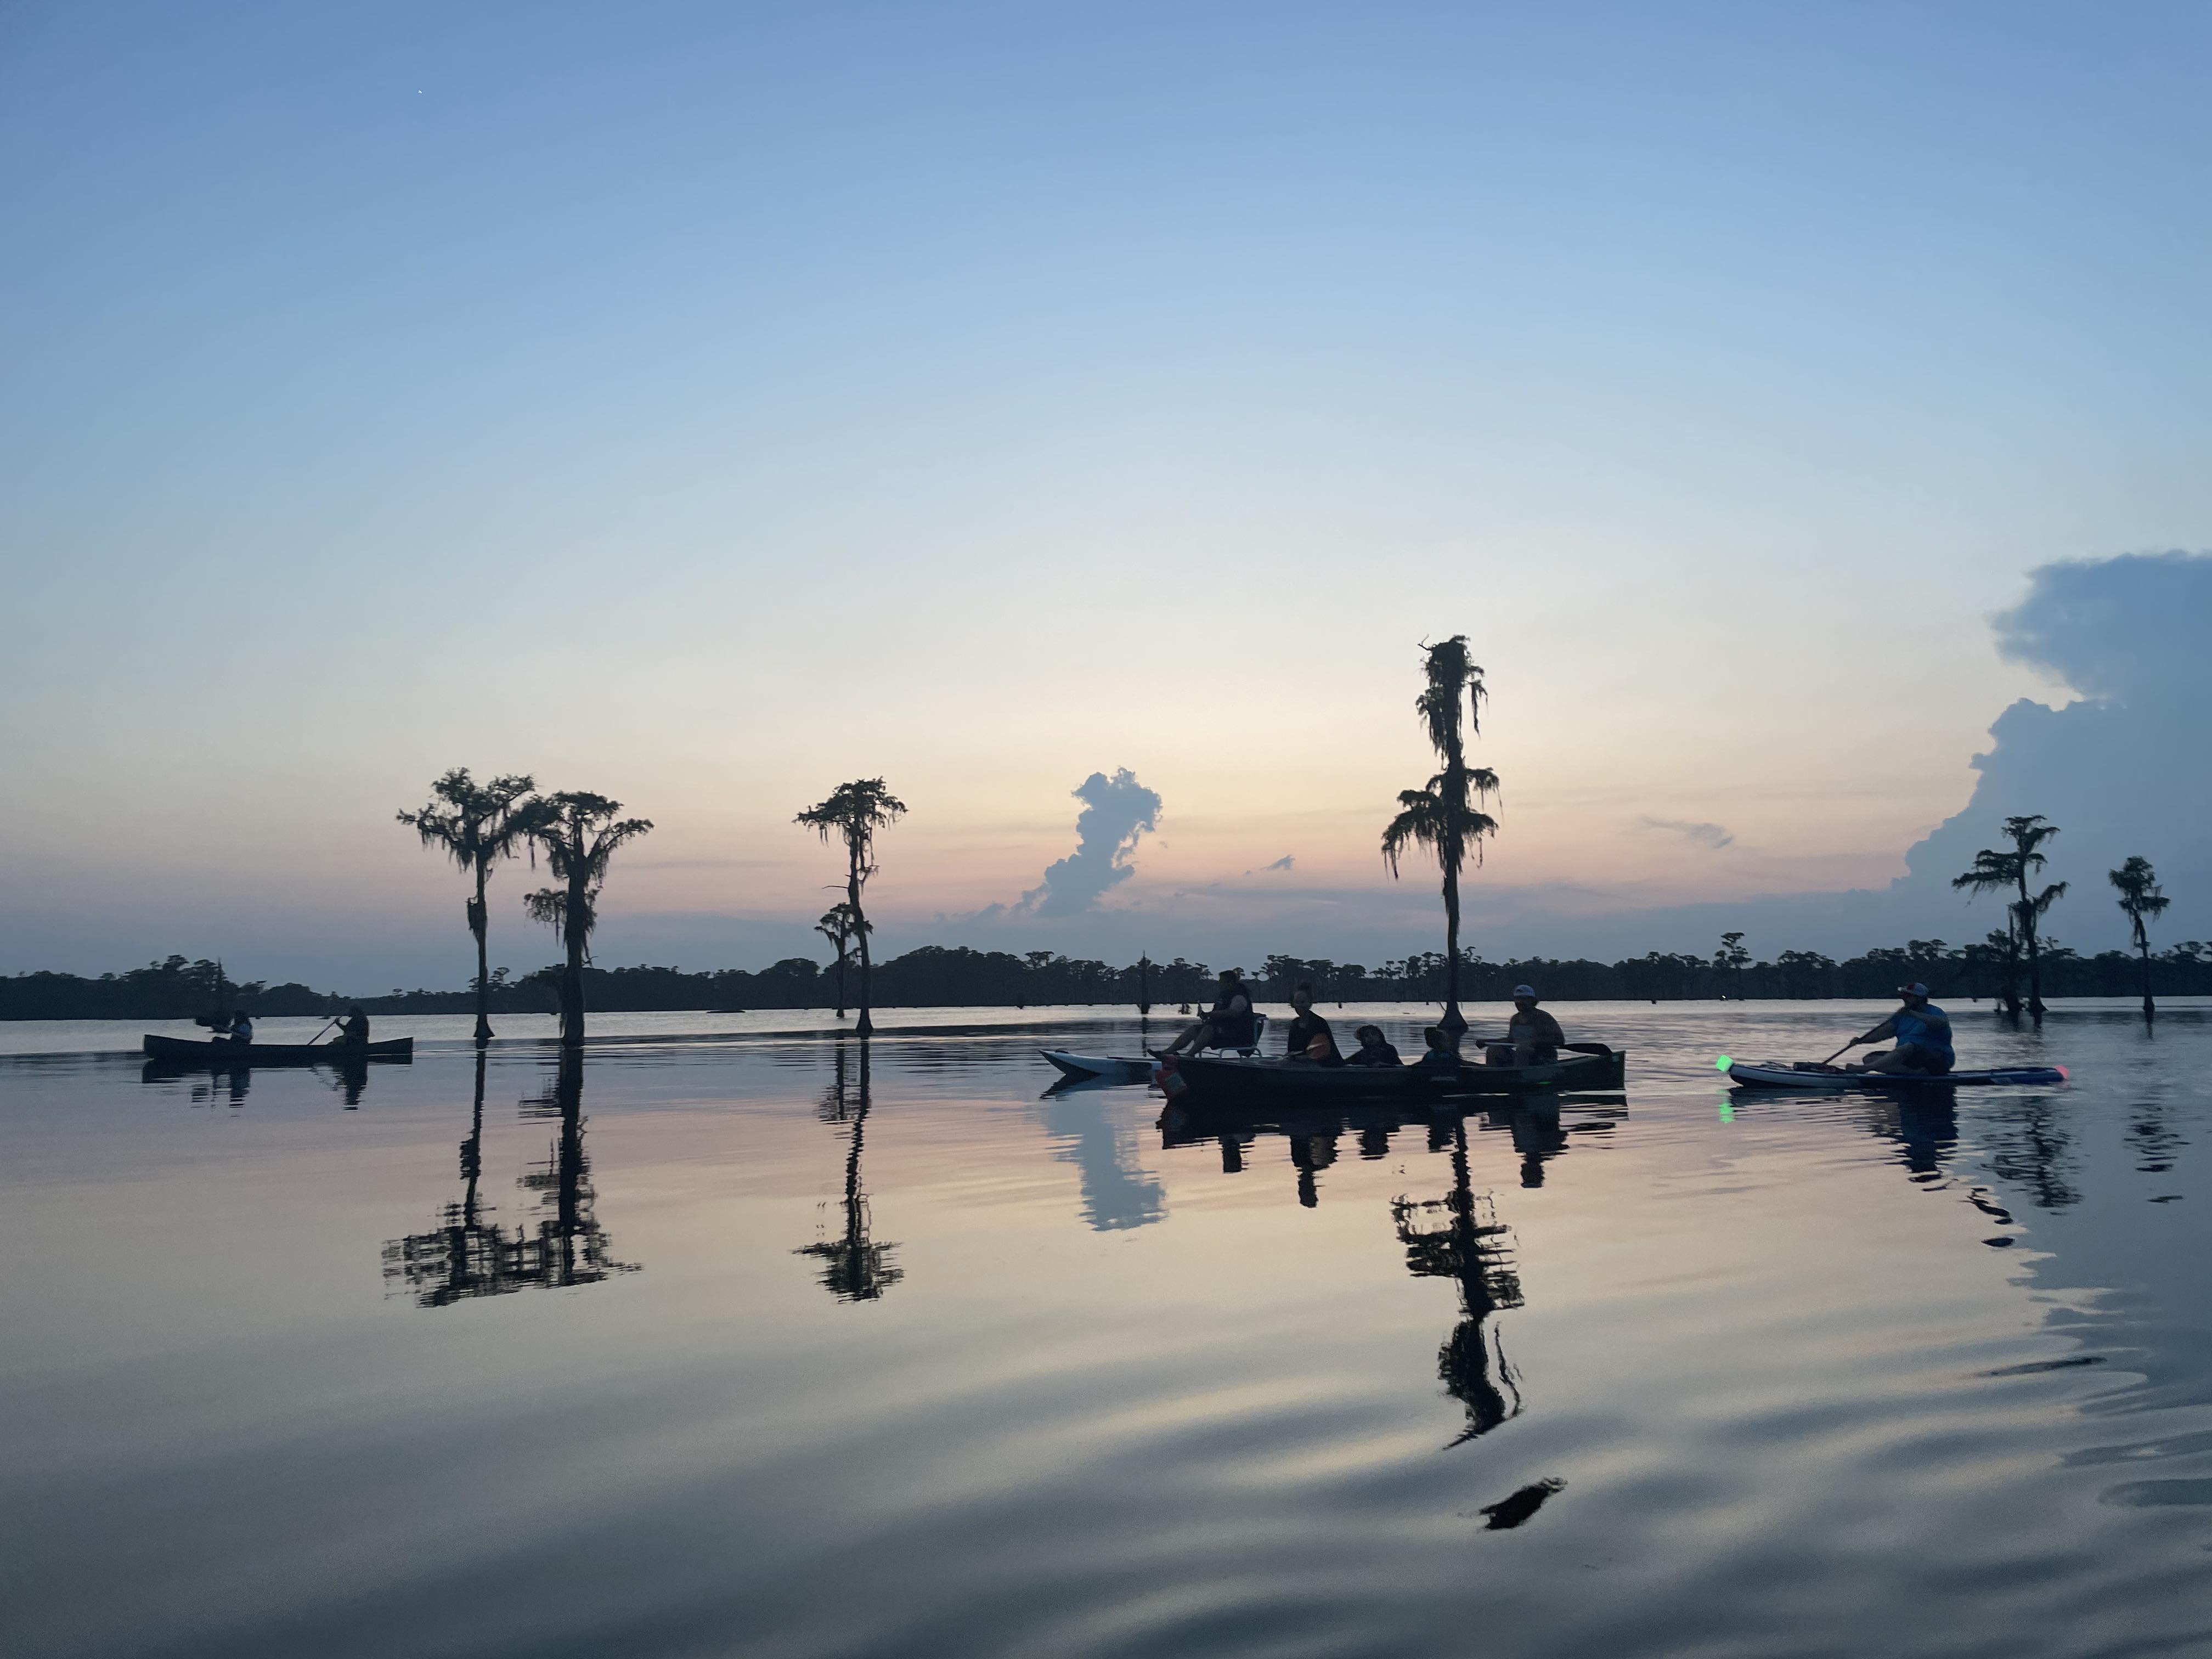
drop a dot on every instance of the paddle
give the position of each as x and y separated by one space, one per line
317 1036
1845 1049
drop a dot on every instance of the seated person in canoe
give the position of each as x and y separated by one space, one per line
1312 1042
353 1028
239 1031
1227 1024
1373 1050
1442 1055
1532 1037
1924 1038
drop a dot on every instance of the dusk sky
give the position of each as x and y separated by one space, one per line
706 404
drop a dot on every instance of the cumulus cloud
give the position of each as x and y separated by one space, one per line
1705 835
2130 629
2120 772
1116 810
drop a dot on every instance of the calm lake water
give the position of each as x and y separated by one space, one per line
778 1344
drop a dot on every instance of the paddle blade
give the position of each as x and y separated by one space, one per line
1723 1063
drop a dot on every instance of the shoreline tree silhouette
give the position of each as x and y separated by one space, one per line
1442 816
476 825
2142 904
853 813
578 832
1733 956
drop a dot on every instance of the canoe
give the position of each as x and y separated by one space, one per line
1810 1075
1119 1067
1207 1079
179 1051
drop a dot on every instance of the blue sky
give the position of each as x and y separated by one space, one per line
705 404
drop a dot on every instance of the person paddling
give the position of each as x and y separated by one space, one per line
1924 1038
1227 1024
239 1032
353 1028
1532 1036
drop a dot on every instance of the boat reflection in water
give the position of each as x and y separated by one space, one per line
206 1085
855 1267
202 1087
1456 1235
469 1255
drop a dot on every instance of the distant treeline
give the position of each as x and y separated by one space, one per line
940 977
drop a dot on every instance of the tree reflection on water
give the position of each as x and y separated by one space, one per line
470 1255
1456 1237
855 1267
1471 1247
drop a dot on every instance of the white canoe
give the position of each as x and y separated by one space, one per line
1120 1067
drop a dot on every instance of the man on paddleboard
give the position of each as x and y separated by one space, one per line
1924 1038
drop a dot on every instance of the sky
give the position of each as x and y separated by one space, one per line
704 405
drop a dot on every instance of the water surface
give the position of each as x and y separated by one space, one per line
784 1345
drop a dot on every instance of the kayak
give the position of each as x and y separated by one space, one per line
181 1051
1207 1079
1118 1068
1811 1074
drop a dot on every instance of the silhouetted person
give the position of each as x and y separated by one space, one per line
1227 1024
1924 1038
1373 1050
1532 1037
353 1028
1441 1056
1311 1039
239 1031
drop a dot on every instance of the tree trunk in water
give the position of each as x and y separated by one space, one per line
1454 1021
568 1209
840 981
480 925
572 977
2150 1008
2025 910
864 1025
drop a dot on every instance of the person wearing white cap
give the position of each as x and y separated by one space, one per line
1924 1038
1532 1037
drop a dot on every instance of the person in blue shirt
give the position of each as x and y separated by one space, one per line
1441 1056
1924 1038
239 1031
